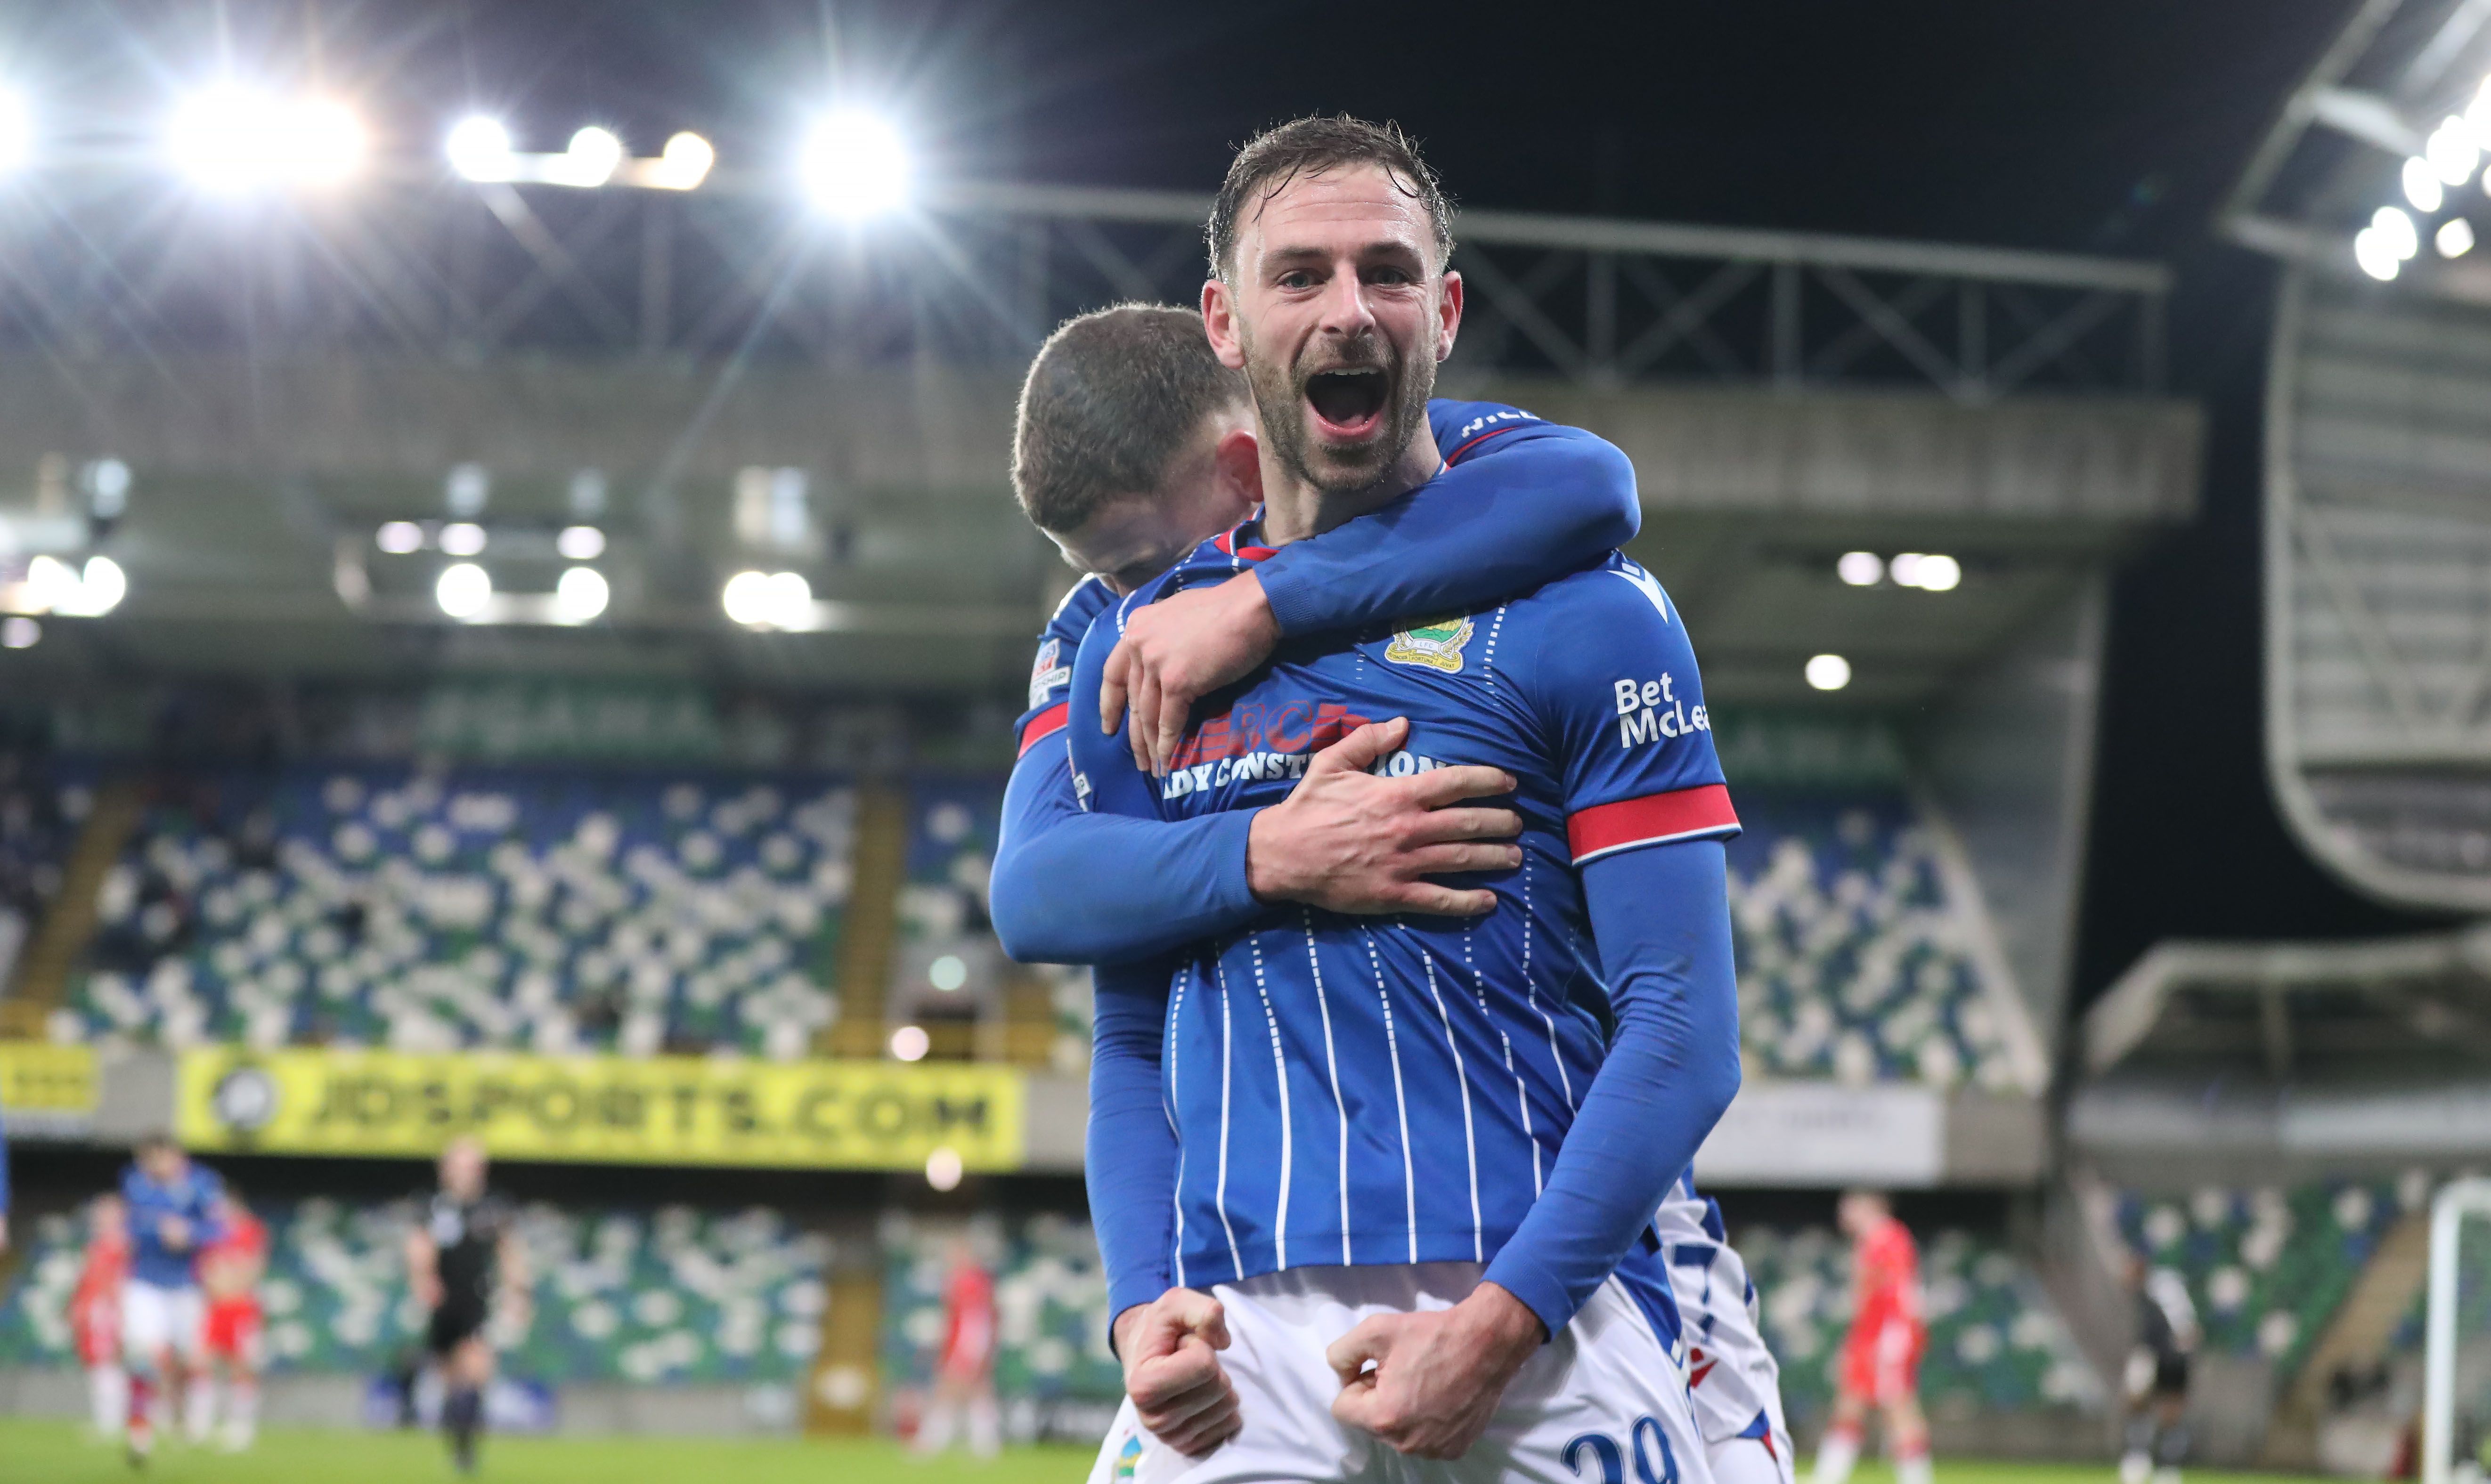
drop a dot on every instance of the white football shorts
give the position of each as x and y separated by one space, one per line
1604 1403
1732 1381
154 1320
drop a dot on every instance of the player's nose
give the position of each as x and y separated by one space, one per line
1346 312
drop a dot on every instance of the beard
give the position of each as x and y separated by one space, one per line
1281 397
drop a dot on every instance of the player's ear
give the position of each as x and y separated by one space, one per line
1239 460
1219 323
1448 314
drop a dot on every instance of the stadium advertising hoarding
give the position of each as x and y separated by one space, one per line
47 1091
656 1110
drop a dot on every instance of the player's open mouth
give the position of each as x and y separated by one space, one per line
1348 403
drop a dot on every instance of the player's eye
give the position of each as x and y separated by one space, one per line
1297 277
1390 275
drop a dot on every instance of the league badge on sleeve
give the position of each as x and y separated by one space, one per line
1436 644
1050 674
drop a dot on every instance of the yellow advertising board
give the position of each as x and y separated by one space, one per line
655 1110
48 1090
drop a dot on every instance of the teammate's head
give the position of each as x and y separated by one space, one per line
1860 1212
1329 289
107 1218
462 1168
1135 444
159 1158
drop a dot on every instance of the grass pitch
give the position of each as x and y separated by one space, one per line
53 1452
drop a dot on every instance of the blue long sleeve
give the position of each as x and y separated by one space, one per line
1660 917
1519 500
1129 1152
1513 508
1073 888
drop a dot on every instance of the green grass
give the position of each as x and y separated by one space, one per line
50 1452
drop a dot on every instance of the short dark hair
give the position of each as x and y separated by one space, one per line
1313 145
1110 400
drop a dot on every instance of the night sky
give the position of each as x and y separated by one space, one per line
2106 125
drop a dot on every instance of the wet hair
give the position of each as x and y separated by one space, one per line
1311 146
1112 398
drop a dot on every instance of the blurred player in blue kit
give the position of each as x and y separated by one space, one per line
171 1208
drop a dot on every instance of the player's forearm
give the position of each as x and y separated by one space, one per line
1660 917
1536 502
1073 888
1130 1155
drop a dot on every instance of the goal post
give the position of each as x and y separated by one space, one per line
2456 1200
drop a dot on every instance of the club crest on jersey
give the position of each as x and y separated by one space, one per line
1436 644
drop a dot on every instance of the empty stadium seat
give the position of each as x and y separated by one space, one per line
531 909
1996 1342
1855 958
646 1296
1050 1306
2268 1266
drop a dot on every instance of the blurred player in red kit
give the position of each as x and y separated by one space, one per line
1881 1360
95 1313
231 1268
964 1373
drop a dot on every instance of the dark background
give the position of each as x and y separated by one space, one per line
2094 125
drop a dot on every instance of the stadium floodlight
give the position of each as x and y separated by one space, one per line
580 543
855 164
1929 571
101 588
1828 672
462 538
747 598
480 150
769 599
684 164
398 538
16 132
2397 232
2454 237
232 139
949 973
589 161
2422 187
51 585
463 590
1859 569
20 632
2376 256
943 1168
910 1043
580 595
2452 151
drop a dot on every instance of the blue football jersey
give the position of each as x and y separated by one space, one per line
192 1198
1394 1089
1460 430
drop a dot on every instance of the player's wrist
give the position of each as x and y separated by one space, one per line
1271 872
1505 1328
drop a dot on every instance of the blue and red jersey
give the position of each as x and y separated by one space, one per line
1388 1089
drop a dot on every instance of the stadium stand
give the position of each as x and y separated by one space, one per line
42 804
528 908
949 965
669 1296
1996 1344
1051 1307
1855 957
2268 1266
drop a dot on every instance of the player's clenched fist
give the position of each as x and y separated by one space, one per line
1348 841
1428 1384
1171 1352
1175 651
